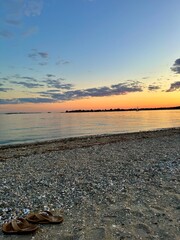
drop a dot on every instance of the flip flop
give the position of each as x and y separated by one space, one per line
18 226
43 217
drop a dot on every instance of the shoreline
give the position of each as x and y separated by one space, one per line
110 187
56 145
88 138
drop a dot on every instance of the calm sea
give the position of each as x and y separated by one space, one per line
22 128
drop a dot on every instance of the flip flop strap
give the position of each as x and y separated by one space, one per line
43 215
48 213
15 225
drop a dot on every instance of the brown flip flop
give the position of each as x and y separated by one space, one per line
43 217
18 226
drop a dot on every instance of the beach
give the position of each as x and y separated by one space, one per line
121 186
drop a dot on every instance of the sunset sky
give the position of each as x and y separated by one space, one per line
59 55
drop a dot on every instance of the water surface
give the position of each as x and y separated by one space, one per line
21 128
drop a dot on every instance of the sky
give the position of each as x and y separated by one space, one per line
58 55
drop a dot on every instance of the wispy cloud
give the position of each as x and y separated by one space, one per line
39 56
43 54
13 22
118 89
32 56
28 85
174 87
176 66
6 34
43 63
13 14
50 75
18 8
30 31
35 54
59 95
57 84
4 78
153 87
18 76
62 61
28 78
14 9
26 100
33 7
127 87
65 62
5 89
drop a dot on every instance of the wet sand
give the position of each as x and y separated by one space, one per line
123 186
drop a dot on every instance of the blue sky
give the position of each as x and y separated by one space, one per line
62 50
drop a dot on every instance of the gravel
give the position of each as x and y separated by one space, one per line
123 186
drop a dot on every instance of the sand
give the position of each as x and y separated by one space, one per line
123 186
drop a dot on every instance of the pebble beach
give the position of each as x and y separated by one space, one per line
106 187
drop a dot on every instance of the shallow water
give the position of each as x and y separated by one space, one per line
21 128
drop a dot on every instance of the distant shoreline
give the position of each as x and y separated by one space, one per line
123 110
100 110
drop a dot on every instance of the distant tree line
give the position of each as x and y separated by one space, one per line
121 110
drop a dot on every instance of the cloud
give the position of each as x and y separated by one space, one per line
13 8
25 100
124 88
17 76
118 89
6 34
13 22
174 87
18 8
4 78
29 78
176 66
65 62
32 56
37 55
43 63
28 85
61 61
50 75
153 87
33 7
43 54
5 89
5 101
14 12
50 91
57 84
57 95
30 31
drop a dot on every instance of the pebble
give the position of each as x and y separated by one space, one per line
99 184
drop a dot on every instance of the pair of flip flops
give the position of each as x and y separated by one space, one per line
25 226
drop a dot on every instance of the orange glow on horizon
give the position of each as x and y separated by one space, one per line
133 100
